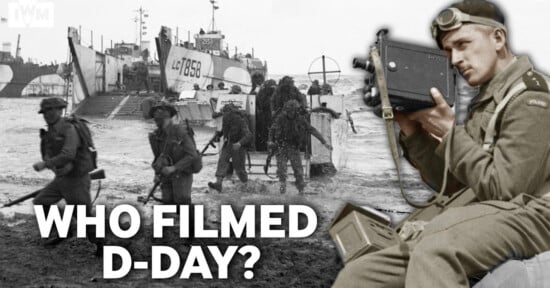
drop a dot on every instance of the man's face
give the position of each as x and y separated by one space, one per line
52 115
473 51
162 122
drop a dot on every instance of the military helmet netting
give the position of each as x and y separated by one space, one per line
52 102
292 104
270 82
285 80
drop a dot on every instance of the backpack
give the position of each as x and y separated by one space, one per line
196 163
85 135
232 121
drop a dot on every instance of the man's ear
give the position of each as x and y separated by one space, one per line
500 38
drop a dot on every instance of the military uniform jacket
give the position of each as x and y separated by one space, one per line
516 163
172 147
62 150
235 129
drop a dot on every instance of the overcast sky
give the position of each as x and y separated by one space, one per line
289 34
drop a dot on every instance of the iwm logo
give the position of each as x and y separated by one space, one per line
30 14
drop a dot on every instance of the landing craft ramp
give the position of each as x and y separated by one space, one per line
334 130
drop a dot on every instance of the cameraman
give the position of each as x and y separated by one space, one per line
510 218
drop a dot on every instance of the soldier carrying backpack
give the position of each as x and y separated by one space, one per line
237 137
67 149
175 156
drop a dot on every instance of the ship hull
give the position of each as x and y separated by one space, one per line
182 68
28 79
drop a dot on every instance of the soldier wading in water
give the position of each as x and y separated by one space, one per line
287 135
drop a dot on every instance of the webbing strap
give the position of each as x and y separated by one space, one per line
490 131
387 114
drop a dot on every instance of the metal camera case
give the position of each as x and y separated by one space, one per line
410 71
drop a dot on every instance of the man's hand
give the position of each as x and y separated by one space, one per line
166 171
39 166
437 120
236 146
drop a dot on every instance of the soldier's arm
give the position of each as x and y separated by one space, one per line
154 146
518 161
315 133
68 152
419 149
190 152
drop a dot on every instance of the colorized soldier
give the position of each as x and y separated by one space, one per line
174 151
507 172
287 135
237 137
65 153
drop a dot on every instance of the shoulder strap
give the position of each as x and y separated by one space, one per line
490 132
387 114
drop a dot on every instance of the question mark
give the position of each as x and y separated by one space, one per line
249 263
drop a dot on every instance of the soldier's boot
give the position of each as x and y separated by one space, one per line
301 188
282 187
216 185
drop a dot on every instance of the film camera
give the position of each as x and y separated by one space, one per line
409 71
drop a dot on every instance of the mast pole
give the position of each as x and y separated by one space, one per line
140 26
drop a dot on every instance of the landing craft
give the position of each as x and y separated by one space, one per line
316 159
205 62
328 116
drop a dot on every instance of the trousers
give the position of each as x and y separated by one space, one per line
177 190
75 191
284 154
238 158
459 243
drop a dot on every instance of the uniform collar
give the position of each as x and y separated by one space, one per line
499 85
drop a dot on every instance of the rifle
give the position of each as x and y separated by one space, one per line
211 143
95 175
268 162
151 192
